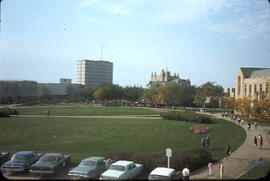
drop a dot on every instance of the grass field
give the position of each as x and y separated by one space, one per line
257 172
86 111
97 137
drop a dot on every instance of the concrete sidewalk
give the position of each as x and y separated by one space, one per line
241 159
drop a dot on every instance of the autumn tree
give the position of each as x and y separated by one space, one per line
209 89
228 102
243 106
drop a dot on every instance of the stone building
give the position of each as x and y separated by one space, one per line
165 78
94 73
252 81
26 90
229 92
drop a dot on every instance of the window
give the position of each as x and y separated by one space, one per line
260 88
245 89
255 89
266 88
249 89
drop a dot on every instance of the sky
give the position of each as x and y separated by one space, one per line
202 40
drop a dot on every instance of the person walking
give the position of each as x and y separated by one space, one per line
222 114
203 141
260 141
185 173
255 141
239 120
255 125
226 114
207 141
227 150
248 126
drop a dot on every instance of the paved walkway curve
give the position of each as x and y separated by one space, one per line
242 158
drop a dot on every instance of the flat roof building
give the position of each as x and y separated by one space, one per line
94 73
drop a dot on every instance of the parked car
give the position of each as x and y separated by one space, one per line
122 170
90 167
21 161
3 157
162 173
51 163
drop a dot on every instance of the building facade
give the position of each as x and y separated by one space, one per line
165 78
25 90
94 73
229 92
252 82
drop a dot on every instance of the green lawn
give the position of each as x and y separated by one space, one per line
96 137
86 111
257 172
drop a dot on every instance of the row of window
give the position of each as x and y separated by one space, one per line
256 89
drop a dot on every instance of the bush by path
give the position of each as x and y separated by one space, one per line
185 116
5 112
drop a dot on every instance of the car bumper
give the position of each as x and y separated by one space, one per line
42 172
79 175
13 169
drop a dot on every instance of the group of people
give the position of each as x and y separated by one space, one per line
205 141
260 140
224 114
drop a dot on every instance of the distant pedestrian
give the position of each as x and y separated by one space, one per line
207 141
248 125
108 162
222 114
239 120
260 141
255 125
255 141
203 141
226 114
185 173
227 150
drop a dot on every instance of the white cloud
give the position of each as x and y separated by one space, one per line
240 18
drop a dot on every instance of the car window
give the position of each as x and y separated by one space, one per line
117 167
48 159
21 157
87 163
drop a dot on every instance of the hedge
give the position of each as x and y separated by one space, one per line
193 159
5 112
185 116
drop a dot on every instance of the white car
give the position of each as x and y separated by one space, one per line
122 170
162 173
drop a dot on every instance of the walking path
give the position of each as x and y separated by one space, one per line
107 117
241 159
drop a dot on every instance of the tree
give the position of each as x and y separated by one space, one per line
243 106
209 89
108 92
228 102
133 93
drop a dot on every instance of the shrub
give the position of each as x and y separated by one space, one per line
5 112
198 129
185 116
193 159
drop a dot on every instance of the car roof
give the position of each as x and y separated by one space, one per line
53 154
162 171
122 162
93 159
24 152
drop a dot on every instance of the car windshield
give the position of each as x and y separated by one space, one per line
117 167
87 163
48 159
21 157
158 177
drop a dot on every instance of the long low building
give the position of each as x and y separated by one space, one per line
25 89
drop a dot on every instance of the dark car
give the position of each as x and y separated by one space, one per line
3 157
90 167
51 163
20 161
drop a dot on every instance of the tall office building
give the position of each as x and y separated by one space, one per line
94 73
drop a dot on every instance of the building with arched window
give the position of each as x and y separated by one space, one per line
252 81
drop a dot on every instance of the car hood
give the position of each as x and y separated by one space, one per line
44 164
15 163
112 173
83 170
